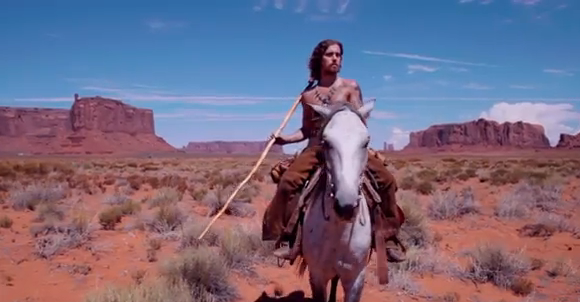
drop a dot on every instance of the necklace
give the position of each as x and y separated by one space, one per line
326 99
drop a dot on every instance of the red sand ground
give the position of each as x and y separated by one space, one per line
114 255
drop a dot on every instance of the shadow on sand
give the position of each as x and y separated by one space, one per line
296 296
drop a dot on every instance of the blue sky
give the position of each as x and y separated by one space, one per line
230 70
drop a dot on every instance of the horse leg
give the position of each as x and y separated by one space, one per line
333 288
353 287
318 288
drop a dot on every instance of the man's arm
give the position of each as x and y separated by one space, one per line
302 132
356 97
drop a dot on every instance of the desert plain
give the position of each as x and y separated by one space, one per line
480 227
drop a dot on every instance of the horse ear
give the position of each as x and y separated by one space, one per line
366 109
324 111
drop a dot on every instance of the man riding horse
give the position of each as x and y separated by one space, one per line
325 64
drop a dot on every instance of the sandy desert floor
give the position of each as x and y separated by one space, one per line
486 229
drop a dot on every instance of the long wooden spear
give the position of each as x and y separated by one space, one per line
257 165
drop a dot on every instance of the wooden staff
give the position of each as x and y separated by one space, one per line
260 160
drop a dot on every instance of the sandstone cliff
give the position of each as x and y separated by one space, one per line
231 147
93 125
480 133
568 141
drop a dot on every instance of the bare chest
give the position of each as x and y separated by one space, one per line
327 96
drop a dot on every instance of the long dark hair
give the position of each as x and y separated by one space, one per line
316 58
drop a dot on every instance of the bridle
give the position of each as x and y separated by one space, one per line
330 186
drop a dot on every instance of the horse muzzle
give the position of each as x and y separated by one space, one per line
345 212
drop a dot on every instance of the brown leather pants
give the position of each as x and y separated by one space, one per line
283 204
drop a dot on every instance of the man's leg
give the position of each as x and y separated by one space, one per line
278 212
387 187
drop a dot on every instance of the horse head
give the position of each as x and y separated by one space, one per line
345 138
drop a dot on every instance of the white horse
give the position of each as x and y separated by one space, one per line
336 240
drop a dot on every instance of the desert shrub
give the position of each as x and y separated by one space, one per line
205 273
545 197
510 206
560 267
115 199
32 195
158 291
49 211
239 245
164 196
427 261
57 238
110 217
216 199
526 197
6 222
193 229
414 231
425 187
165 219
450 205
495 264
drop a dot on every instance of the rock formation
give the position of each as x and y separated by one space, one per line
480 133
568 141
93 125
231 147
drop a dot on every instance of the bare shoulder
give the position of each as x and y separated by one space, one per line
308 96
351 83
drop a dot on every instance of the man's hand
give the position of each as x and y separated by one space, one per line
278 140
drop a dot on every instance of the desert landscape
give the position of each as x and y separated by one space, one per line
96 207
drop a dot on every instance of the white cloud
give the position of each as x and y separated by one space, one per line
423 58
382 115
558 72
553 117
526 2
522 87
279 4
387 77
459 69
157 25
399 138
477 86
205 115
417 67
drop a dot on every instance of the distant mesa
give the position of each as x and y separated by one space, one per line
568 141
388 147
93 125
484 134
231 147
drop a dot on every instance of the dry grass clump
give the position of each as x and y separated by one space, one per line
165 219
158 291
111 216
30 196
547 224
503 268
5 221
205 273
164 196
415 230
526 197
450 205
55 239
216 199
561 268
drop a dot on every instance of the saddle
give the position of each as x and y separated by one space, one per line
379 227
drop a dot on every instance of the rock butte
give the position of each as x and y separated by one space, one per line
486 134
93 125
98 125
